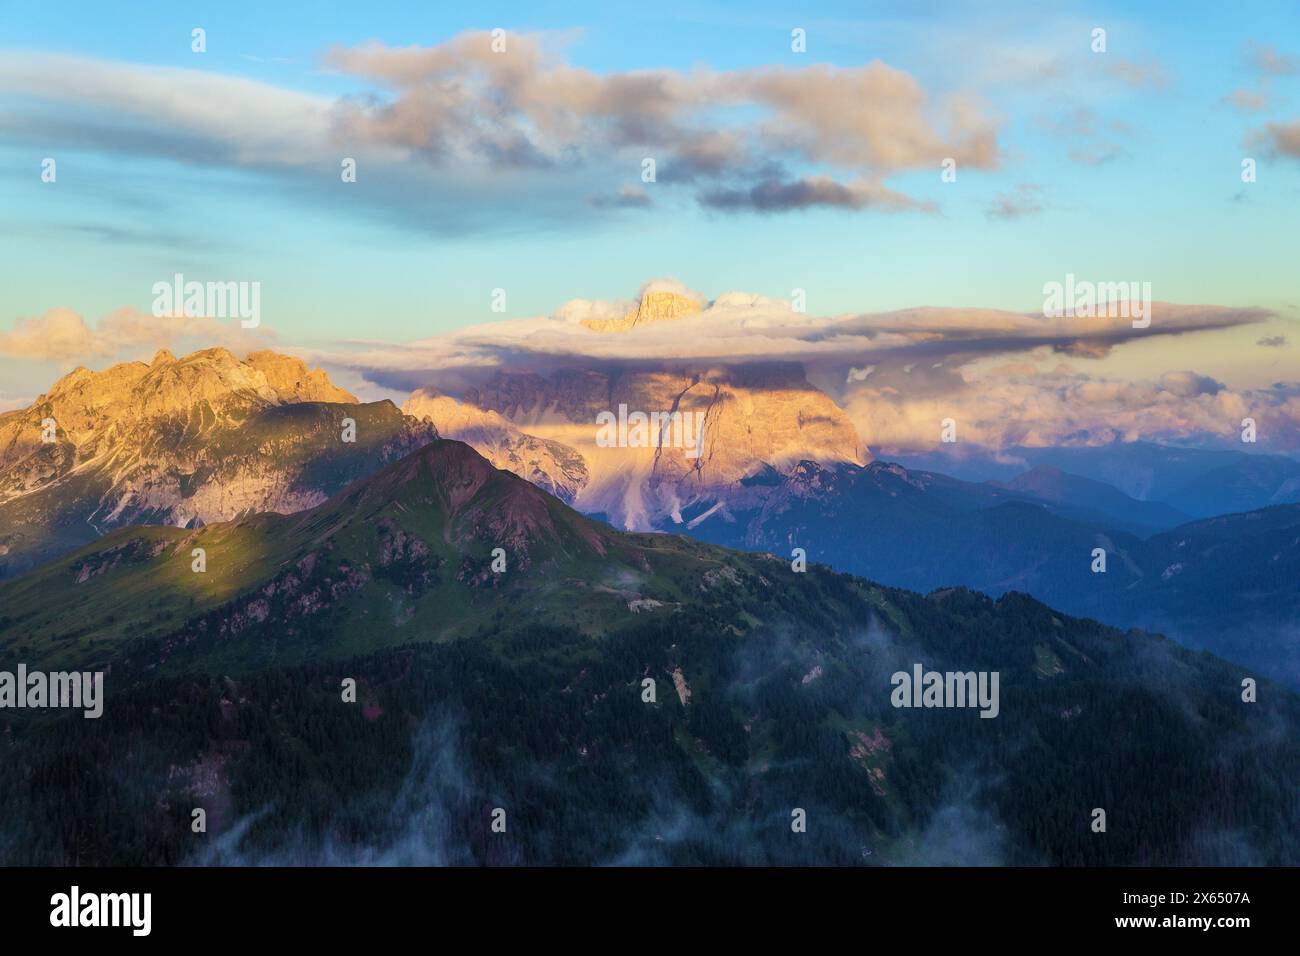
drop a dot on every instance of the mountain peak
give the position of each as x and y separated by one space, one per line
655 306
172 383
889 468
476 502
294 382
1045 471
1044 478
205 436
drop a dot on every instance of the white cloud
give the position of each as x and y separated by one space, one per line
62 335
1023 405
203 116
739 327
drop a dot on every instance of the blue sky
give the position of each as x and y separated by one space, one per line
1121 165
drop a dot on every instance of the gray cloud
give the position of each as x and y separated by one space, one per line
628 197
773 195
1266 61
1189 384
1146 75
1025 201
1271 62
1093 140
1279 138
1246 101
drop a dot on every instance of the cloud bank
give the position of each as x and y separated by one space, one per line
742 327
509 122
1009 378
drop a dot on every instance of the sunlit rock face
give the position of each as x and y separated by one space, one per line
653 307
740 424
294 382
183 441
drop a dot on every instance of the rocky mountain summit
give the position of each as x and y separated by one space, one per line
655 306
753 420
182 441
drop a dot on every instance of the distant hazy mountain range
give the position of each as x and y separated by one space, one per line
1198 482
1228 584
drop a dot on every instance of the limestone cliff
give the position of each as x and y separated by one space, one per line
754 419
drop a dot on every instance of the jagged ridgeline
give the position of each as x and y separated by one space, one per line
182 442
517 682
